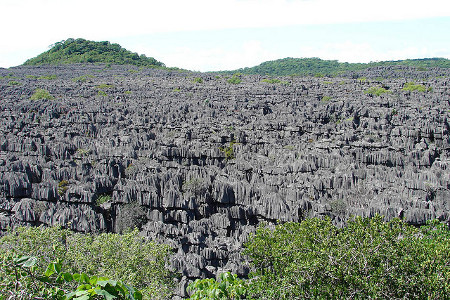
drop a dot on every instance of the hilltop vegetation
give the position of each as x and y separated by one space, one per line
319 67
84 51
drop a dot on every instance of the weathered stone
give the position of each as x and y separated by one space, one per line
199 166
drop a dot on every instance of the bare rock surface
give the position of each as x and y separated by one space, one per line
200 165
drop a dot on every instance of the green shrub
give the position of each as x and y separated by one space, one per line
41 94
20 280
105 86
102 93
130 216
198 80
103 199
128 258
47 77
195 186
63 186
411 86
228 150
235 79
83 78
227 288
274 81
367 259
12 83
376 91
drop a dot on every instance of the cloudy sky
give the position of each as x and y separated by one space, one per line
207 35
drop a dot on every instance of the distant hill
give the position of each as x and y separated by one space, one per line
317 66
84 51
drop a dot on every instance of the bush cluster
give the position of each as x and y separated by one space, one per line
128 258
368 259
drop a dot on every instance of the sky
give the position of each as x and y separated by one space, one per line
213 35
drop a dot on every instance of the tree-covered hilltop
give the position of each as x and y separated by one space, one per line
84 51
317 66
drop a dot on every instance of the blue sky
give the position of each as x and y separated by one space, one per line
222 35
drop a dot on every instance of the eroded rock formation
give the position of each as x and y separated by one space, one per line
199 165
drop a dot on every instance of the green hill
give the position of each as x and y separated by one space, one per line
84 51
317 66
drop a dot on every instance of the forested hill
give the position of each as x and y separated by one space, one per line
84 51
317 66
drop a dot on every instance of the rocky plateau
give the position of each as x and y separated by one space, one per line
197 162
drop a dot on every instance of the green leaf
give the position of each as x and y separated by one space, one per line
103 283
50 270
69 295
107 295
67 277
93 280
30 262
21 260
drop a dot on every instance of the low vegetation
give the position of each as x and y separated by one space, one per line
127 258
412 86
41 94
376 91
367 259
235 79
274 81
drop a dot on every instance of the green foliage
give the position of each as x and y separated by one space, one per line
367 259
13 83
235 79
83 78
130 216
128 258
105 86
47 77
198 80
20 279
195 186
63 186
84 51
319 68
102 93
229 150
326 98
41 94
411 86
227 288
274 81
103 199
376 91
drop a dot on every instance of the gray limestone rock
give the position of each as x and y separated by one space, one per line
199 166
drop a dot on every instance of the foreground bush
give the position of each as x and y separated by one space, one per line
128 258
229 287
20 280
368 259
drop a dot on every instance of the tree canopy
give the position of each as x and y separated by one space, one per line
316 66
84 51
